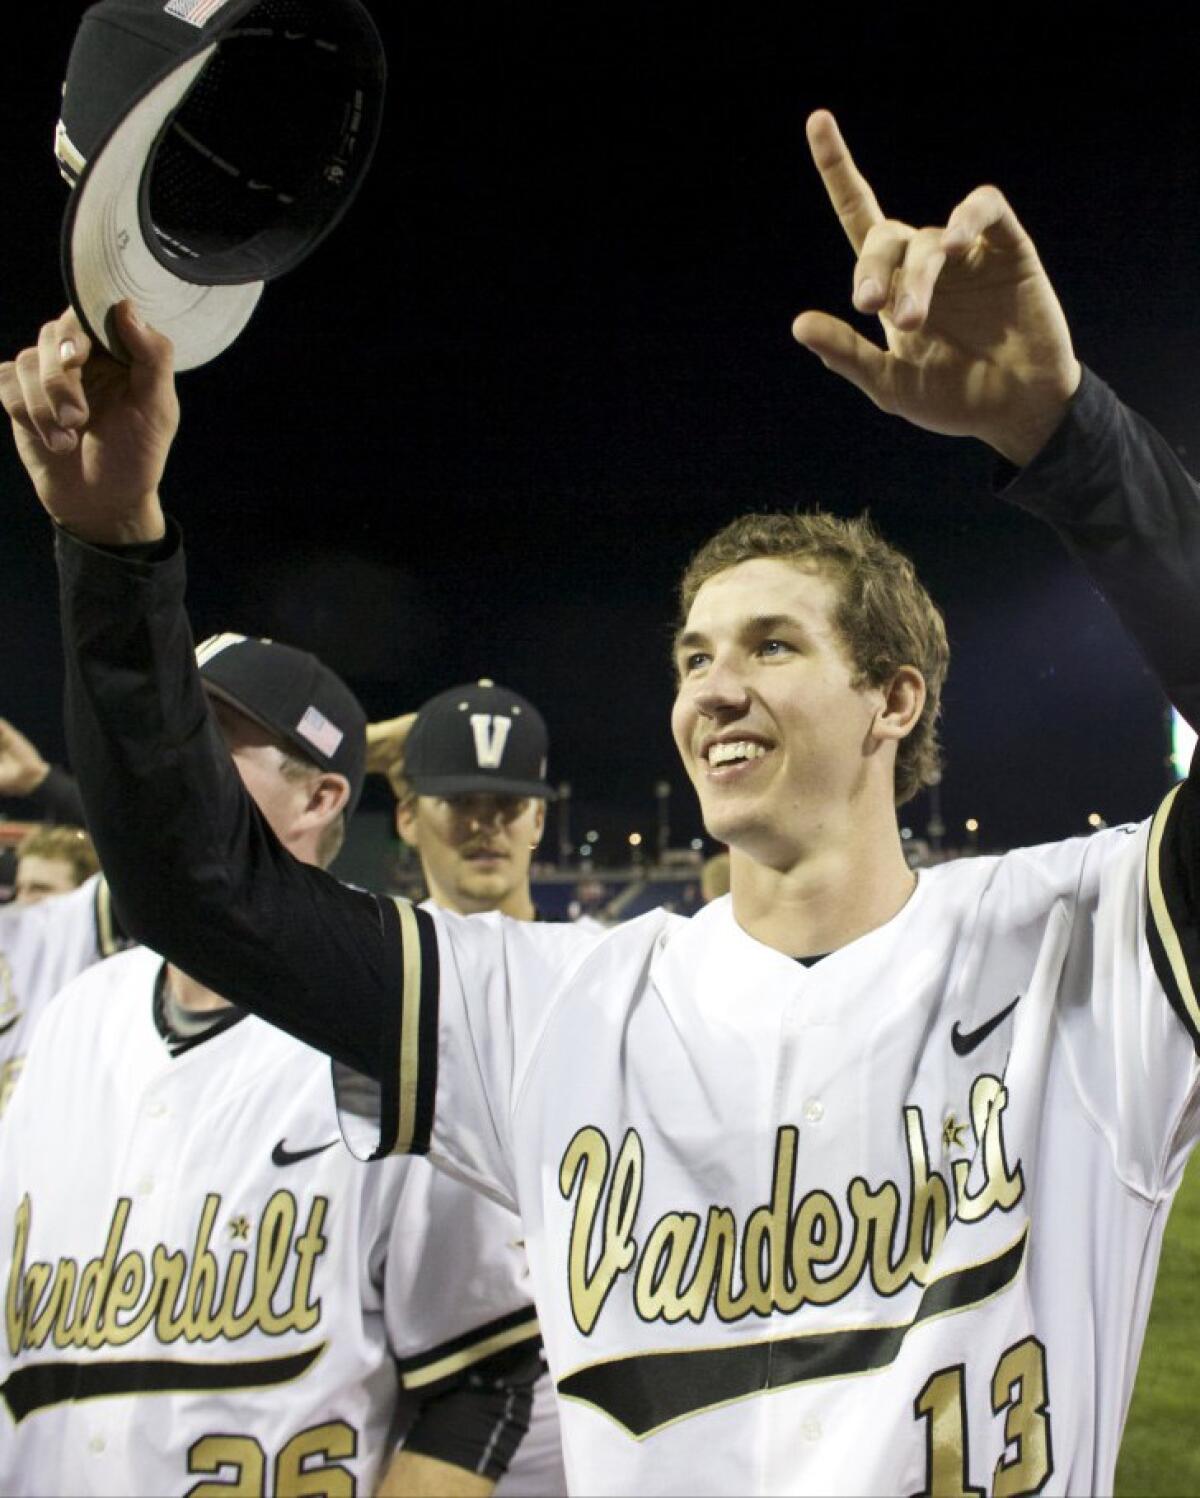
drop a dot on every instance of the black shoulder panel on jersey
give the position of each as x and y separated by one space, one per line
408 1061
1173 896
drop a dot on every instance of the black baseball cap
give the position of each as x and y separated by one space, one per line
210 146
294 695
478 737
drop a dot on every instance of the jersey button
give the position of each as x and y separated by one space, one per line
156 1110
814 1110
146 1186
811 1430
97 1444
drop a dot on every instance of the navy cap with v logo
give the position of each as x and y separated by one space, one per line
478 737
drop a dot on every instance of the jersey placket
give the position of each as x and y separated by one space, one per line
819 1097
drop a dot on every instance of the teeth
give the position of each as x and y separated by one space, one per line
724 754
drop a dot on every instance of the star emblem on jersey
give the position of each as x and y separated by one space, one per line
965 1041
952 1133
239 1227
282 1156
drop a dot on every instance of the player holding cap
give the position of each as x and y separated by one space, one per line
855 1181
231 1295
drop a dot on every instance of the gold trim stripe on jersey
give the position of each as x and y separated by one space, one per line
108 940
422 1375
408 1081
1165 926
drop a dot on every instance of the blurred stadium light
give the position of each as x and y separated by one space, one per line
1183 744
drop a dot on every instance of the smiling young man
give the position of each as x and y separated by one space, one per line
810 664
881 1219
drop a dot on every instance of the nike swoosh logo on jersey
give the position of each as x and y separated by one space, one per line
965 1041
281 1155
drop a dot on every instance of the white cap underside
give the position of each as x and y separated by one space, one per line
110 259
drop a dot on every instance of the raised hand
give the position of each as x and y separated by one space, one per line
976 341
385 743
92 433
22 768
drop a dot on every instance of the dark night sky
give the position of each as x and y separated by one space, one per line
548 353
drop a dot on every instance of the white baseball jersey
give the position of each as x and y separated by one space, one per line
42 947
203 1290
887 1223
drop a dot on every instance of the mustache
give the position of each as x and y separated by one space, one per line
474 849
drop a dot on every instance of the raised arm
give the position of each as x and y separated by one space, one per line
975 344
194 868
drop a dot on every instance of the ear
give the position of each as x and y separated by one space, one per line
539 823
902 705
406 820
327 798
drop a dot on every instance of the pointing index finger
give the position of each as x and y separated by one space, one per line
849 191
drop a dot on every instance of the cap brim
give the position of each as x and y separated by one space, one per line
223 694
470 785
105 255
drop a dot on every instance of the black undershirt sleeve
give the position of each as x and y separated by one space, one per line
1128 511
479 1422
57 799
197 873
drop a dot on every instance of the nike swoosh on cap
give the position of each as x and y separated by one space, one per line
965 1041
281 1155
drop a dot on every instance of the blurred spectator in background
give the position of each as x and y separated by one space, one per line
53 861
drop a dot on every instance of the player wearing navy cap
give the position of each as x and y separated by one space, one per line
469 775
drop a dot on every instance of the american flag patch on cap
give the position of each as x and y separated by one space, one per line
320 732
194 12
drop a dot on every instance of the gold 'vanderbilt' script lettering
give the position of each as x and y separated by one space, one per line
585 1166
184 1293
790 1253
